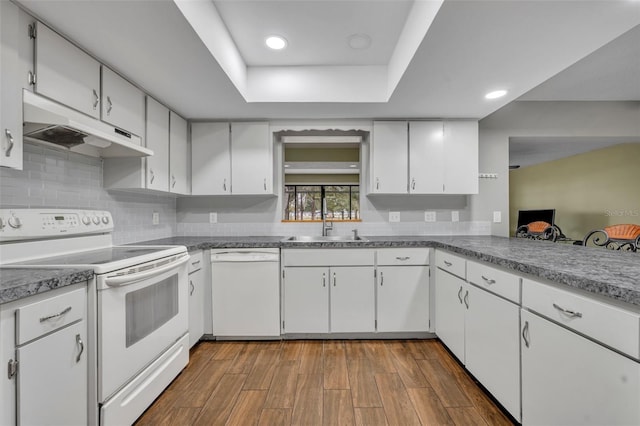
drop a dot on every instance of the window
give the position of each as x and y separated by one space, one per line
304 202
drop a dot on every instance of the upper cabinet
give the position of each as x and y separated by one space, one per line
231 159
10 87
122 103
178 158
251 158
424 157
210 159
157 165
65 73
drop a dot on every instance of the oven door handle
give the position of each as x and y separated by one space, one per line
120 280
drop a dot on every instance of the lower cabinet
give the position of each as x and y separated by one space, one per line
336 299
403 298
449 313
196 298
570 380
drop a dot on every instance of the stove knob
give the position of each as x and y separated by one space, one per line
86 220
15 222
96 220
105 220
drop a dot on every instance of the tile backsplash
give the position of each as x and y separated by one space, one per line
61 179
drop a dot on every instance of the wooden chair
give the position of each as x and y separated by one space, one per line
615 237
539 230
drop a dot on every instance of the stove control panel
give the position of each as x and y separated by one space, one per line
27 224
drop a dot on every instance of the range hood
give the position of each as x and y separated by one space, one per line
53 124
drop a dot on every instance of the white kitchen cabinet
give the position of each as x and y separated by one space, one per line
460 157
570 380
306 300
157 140
352 299
210 159
10 86
449 313
251 158
426 153
196 298
122 103
403 298
178 155
65 73
389 157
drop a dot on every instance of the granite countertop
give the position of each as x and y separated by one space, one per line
612 274
17 283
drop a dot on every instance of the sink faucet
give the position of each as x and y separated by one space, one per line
326 227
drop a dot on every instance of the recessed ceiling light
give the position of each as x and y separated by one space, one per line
276 42
495 94
359 41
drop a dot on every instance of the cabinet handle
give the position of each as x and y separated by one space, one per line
173 181
525 331
448 263
197 262
109 105
7 132
377 183
487 280
192 288
96 99
224 185
381 279
324 280
153 176
466 299
334 279
413 183
403 258
572 314
264 184
59 314
80 343
460 295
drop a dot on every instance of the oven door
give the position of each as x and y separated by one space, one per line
142 311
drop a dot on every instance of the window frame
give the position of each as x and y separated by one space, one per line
323 191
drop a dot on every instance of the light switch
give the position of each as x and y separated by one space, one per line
155 218
455 216
213 217
394 216
497 217
429 216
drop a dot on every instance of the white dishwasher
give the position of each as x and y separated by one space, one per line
246 293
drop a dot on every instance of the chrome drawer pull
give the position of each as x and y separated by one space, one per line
460 295
488 280
191 286
381 279
568 312
466 299
324 280
448 263
197 262
59 314
403 258
7 132
81 344
525 331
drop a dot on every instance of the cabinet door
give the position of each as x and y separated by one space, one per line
306 300
461 157
426 157
352 299
570 380
210 159
178 159
449 311
158 141
52 380
403 298
492 345
251 158
196 306
10 87
122 103
65 73
389 157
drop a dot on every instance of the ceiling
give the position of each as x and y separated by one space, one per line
467 48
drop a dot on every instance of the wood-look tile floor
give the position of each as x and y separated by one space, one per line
332 382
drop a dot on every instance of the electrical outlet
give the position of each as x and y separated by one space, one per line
429 216
155 218
394 216
455 216
497 217
213 217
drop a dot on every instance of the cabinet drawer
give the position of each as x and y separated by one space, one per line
403 256
195 262
612 325
494 280
451 263
47 315
327 257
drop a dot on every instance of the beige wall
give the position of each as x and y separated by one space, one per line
588 191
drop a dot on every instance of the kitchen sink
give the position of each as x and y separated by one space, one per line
319 239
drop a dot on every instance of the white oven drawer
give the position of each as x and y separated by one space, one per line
48 315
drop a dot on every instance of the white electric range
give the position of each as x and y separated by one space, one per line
138 302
